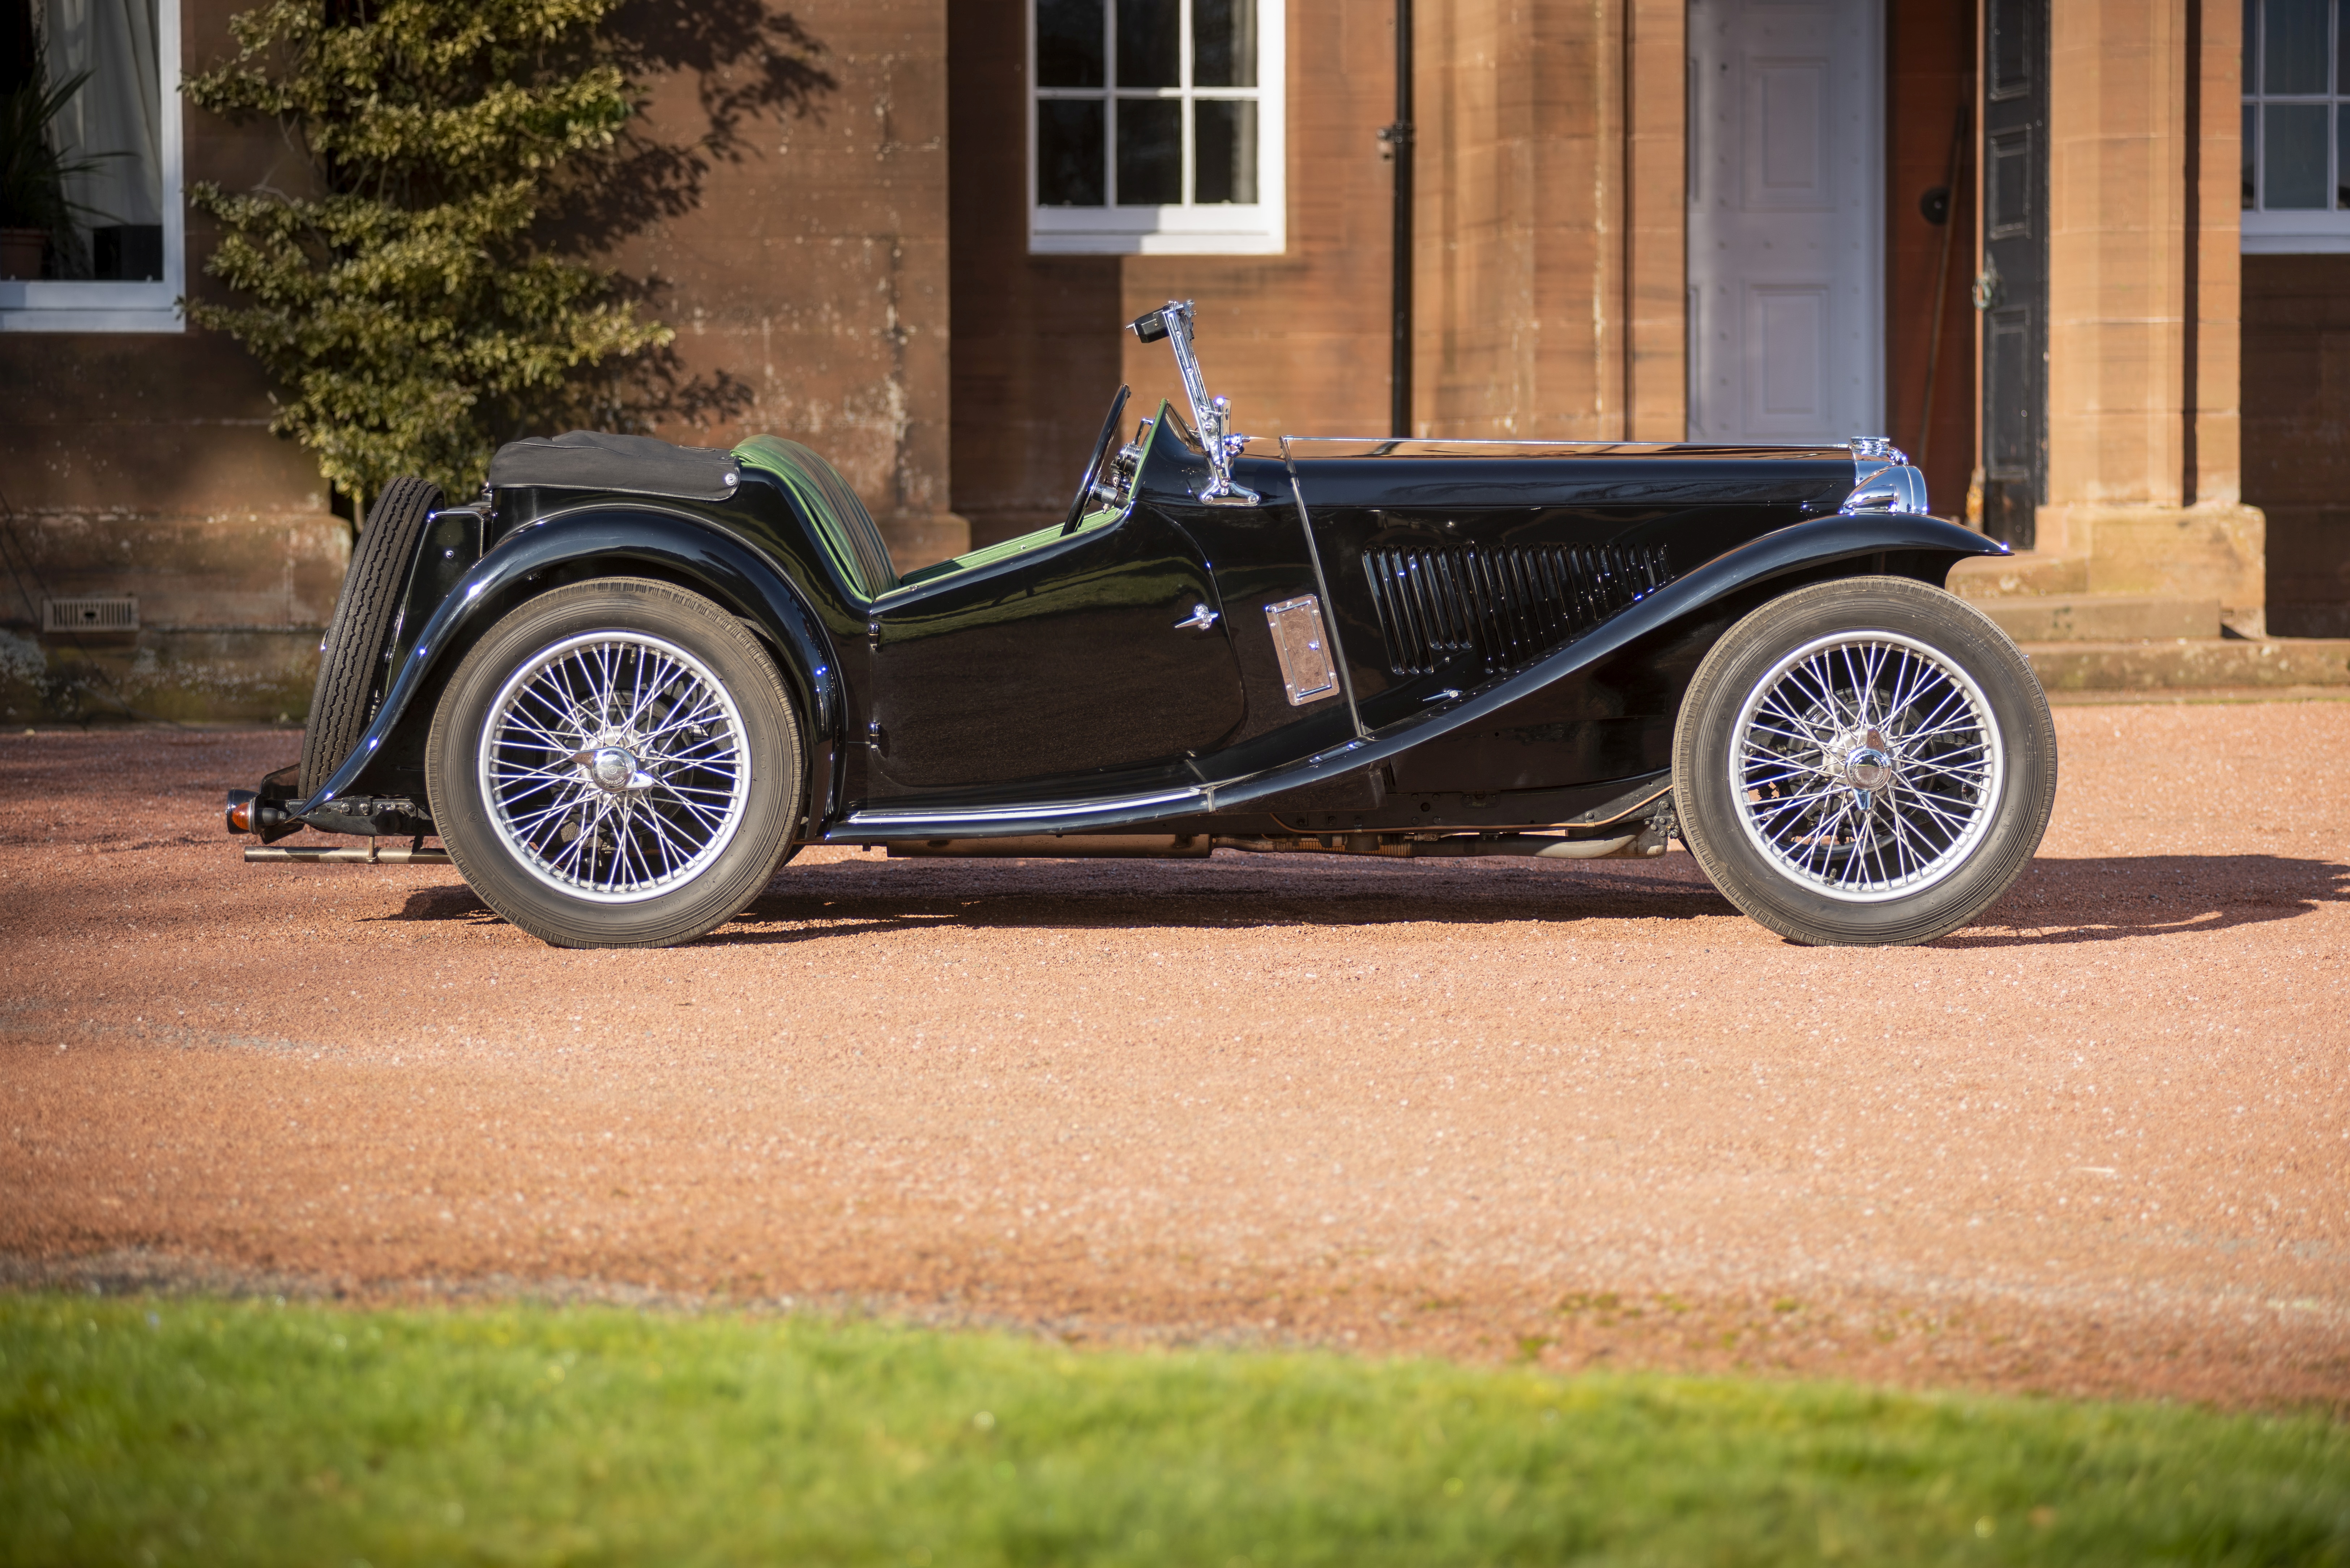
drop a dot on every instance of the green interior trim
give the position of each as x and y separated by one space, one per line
1004 549
816 491
841 521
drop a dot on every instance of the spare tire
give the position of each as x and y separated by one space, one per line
351 673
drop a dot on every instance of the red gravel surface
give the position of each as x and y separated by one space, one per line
1573 1113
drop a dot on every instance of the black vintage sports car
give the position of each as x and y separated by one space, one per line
627 683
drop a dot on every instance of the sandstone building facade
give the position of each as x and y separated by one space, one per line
2086 259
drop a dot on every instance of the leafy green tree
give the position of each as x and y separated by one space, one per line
419 303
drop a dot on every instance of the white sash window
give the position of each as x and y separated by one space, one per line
118 263
2297 126
1155 127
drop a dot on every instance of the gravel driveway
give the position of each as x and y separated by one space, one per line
1577 1113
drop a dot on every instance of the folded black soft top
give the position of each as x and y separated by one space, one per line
634 465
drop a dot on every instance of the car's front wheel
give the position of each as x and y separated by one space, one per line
1863 761
616 763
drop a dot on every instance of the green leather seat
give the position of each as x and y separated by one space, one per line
846 530
853 539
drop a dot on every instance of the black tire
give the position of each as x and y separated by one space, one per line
350 661
577 794
1843 822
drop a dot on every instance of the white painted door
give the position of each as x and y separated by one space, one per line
1787 231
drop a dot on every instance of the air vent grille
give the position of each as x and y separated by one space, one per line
110 612
1505 605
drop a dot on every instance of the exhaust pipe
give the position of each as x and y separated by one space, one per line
371 856
1063 847
1645 841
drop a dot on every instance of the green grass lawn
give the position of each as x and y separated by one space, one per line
177 1432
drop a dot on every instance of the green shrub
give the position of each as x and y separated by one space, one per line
417 304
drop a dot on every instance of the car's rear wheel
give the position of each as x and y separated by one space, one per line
616 763
1863 761
352 672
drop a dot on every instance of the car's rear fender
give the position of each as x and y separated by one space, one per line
606 540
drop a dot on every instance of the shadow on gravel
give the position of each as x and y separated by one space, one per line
2057 902
2128 897
853 897
457 903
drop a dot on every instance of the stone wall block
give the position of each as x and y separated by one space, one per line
220 570
2213 551
184 677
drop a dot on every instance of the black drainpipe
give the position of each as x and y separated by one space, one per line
1398 138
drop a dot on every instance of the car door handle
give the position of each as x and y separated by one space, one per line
1200 619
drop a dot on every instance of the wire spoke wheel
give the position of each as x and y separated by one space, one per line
1869 760
613 765
1866 765
617 764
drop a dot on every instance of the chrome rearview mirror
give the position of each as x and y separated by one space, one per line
1213 416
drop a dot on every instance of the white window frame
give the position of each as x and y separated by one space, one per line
1211 229
2305 230
49 305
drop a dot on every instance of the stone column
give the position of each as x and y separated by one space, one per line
808 279
1551 293
2143 468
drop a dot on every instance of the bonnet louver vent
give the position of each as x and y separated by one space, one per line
1507 605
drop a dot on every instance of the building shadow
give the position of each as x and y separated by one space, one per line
745 67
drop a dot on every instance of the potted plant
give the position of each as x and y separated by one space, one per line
35 209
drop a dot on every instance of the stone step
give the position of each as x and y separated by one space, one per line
2102 618
2007 576
2192 664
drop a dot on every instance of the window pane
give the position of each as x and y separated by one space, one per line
1224 154
1069 43
2293 157
1223 44
2342 158
1069 153
2252 145
1149 43
2293 53
1150 152
2342 47
113 128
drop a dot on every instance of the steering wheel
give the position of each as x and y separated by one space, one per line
1092 475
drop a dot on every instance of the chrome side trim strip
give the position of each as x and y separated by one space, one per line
974 816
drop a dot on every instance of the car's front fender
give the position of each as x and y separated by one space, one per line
688 549
1846 544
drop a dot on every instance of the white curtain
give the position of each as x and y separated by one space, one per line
118 110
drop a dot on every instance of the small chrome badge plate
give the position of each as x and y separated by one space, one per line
1298 639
